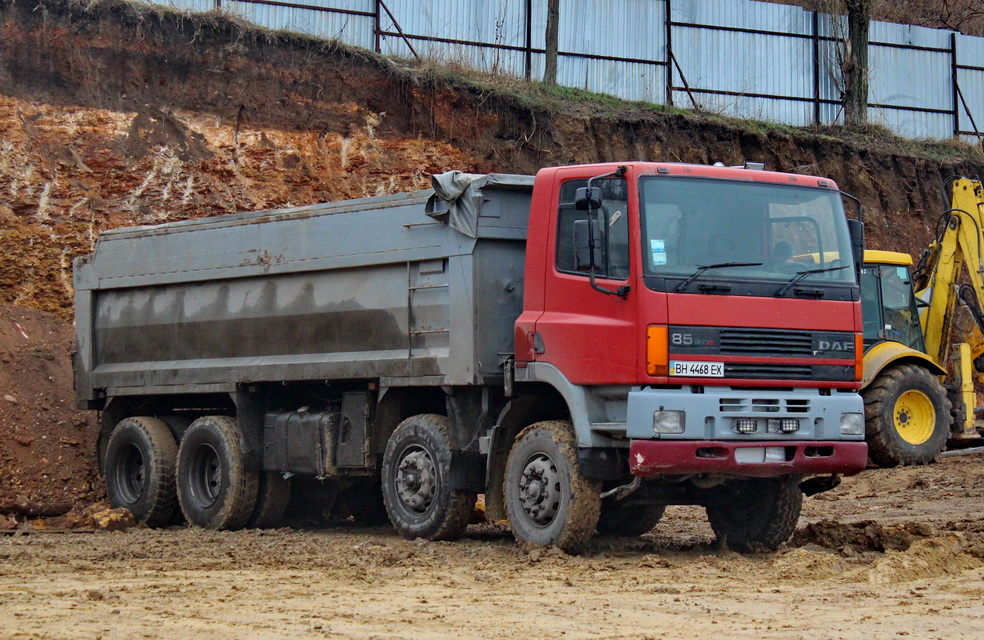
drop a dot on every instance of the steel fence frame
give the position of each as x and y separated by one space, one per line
383 24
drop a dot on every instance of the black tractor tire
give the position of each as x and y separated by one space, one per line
416 481
214 488
757 514
272 496
364 501
621 519
907 416
140 470
548 499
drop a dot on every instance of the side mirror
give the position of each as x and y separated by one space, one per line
583 235
855 229
583 200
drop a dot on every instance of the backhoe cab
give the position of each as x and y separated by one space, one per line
913 406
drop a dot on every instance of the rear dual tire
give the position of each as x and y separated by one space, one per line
140 470
214 488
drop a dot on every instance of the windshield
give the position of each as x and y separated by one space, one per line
782 231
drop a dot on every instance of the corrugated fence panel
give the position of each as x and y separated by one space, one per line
743 14
743 73
970 53
634 30
317 21
431 24
911 78
730 64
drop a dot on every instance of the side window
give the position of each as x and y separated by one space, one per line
611 225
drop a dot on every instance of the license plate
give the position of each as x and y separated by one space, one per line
697 369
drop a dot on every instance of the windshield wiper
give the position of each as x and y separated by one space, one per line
701 268
802 274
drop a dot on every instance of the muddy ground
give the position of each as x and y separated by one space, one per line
895 553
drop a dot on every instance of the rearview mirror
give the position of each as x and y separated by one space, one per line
583 200
582 245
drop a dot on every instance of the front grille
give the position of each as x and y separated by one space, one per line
766 342
768 371
746 404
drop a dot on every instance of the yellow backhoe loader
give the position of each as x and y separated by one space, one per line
918 389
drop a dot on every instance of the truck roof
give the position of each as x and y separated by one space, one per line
712 171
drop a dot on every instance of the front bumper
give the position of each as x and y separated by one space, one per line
649 458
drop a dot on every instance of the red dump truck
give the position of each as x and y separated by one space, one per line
584 348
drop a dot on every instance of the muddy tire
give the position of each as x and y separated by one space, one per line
907 416
272 496
214 488
548 500
140 470
757 514
621 519
364 500
416 481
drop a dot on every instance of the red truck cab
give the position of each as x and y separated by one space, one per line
714 335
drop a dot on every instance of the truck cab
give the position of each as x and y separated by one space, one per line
668 307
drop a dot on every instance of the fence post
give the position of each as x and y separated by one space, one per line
953 83
378 27
529 39
816 68
669 53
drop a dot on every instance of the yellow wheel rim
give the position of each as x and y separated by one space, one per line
915 417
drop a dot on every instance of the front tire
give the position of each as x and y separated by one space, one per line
907 417
416 479
214 488
758 514
140 470
548 500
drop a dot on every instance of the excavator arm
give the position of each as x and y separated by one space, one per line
937 280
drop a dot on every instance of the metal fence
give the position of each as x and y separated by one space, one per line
736 57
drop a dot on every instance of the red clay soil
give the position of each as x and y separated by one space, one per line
47 461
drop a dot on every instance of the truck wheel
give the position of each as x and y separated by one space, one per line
214 489
620 519
756 514
140 460
364 500
272 496
548 501
416 479
907 416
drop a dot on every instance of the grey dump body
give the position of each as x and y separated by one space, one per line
392 288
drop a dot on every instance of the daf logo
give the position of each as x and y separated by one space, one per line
835 345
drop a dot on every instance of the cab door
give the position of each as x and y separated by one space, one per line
590 336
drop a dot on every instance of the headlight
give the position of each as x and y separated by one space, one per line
668 422
852 424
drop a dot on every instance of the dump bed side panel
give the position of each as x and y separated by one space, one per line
365 289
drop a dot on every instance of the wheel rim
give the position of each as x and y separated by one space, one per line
416 479
130 476
205 476
915 417
539 489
